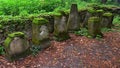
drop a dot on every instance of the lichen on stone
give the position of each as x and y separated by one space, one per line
40 21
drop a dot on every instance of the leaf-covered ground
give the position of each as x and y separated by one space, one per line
77 52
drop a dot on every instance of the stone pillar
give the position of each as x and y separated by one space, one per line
16 45
40 32
107 20
60 27
94 28
82 15
90 12
73 20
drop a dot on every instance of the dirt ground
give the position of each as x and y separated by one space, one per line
77 52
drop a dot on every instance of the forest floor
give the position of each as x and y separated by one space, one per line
76 52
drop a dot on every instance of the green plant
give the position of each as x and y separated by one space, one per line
35 49
105 29
82 31
98 37
2 50
116 20
23 13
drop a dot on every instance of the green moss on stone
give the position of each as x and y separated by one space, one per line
91 10
11 36
94 19
99 11
40 21
82 10
57 14
16 34
7 41
108 14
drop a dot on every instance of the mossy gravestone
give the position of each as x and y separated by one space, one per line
60 27
40 33
107 20
94 27
16 45
73 20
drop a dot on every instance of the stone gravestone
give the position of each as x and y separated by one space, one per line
40 33
107 20
73 20
60 27
16 45
94 27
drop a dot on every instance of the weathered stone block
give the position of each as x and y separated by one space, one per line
40 33
94 27
36 25
73 20
107 20
15 45
60 27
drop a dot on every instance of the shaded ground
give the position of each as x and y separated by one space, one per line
77 52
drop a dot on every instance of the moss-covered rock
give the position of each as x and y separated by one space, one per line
107 20
108 14
15 44
91 10
11 36
94 27
36 29
40 21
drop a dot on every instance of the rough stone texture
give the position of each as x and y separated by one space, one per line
50 25
45 43
15 44
107 20
37 30
82 15
44 37
90 13
73 20
44 33
35 34
40 35
18 46
60 27
94 26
